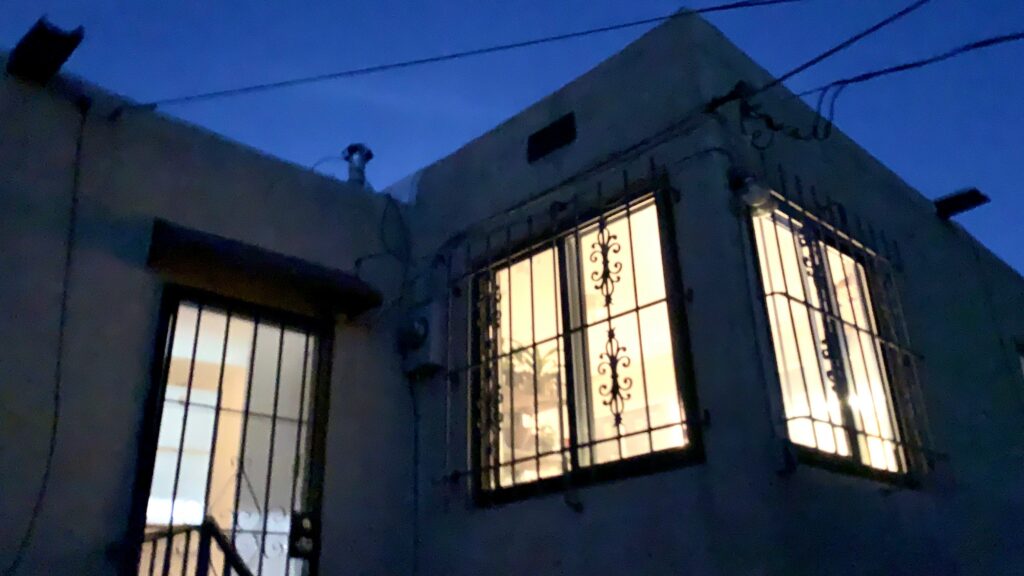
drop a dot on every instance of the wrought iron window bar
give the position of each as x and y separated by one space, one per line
578 396
280 350
883 351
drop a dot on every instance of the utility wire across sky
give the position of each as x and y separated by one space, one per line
915 64
179 100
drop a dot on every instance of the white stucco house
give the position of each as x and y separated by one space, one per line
622 332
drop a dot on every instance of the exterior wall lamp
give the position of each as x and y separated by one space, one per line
759 198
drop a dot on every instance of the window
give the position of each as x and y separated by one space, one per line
835 366
577 358
236 428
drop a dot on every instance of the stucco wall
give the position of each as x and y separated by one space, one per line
134 169
735 514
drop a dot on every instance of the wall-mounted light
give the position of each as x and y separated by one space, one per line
759 198
959 202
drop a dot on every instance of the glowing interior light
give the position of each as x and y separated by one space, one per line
825 339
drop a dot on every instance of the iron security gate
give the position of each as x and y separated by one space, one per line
238 439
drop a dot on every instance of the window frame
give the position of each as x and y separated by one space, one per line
554 238
322 327
831 236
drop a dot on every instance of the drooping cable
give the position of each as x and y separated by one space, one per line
828 94
743 92
838 85
58 376
845 44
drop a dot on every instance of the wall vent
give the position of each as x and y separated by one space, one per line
558 134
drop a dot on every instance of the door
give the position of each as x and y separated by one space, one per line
239 437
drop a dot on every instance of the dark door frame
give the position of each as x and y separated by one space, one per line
172 296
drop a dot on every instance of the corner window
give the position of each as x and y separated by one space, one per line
577 357
836 366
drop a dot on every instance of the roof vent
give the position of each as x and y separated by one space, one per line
357 155
39 54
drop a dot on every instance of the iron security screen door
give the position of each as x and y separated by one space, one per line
236 439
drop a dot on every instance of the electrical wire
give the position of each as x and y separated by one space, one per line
743 91
819 132
839 85
179 100
828 94
845 44
58 377
325 160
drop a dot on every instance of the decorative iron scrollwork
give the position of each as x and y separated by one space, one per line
763 138
609 274
615 392
490 396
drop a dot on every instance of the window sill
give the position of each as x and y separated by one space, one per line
593 475
848 467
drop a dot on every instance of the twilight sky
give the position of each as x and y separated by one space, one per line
954 125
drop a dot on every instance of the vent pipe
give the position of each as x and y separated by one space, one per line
357 156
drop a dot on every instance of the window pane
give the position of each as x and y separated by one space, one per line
293 355
619 346
667 415
825 339
813 412
552 422
527 366
619 406
184 442
263 380
631 398
232 444
224 472
869 391
647 257
607 270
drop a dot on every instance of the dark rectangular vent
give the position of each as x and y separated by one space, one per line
559 133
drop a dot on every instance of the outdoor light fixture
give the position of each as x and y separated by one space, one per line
959 202
760 199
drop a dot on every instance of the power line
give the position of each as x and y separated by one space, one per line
845 44
745 91
913 65
828 94
178 100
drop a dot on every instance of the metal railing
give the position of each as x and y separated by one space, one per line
189 551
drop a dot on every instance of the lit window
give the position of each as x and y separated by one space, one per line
577 358
833 363
235 430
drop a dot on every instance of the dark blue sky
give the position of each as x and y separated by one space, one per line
957 124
